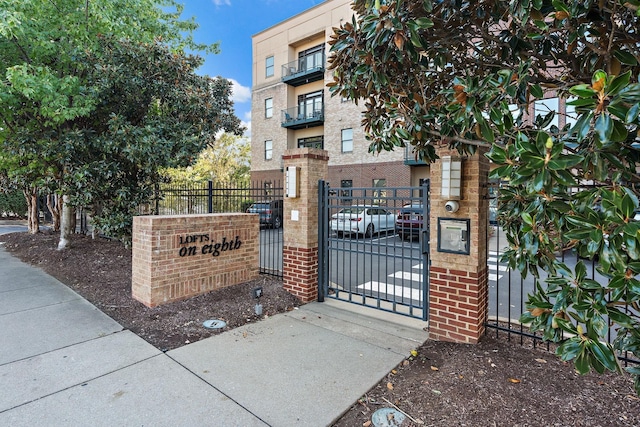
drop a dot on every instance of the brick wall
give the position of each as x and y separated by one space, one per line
457 304
177 257
301 272
396 173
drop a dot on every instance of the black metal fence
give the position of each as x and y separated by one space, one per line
214 197
374 247
508 290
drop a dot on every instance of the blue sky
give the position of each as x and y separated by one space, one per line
232 23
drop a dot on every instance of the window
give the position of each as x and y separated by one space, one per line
270 66
310 105
268 149
379 194
345 189
268 108
347 140
268 188
311 142
423 182
311 59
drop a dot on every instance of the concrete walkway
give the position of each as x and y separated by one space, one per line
65 363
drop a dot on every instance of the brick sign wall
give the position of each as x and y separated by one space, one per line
177 257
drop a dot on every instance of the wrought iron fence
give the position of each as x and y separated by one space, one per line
508 290
374 247
214 197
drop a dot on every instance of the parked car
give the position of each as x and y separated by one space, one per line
270 212
410 221
365 220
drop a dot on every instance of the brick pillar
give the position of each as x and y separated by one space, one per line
458 290
300 248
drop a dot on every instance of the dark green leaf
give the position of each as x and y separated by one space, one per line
625 57
536 91
424 22
582 362
618 82
604 127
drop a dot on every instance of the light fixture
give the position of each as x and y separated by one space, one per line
451 178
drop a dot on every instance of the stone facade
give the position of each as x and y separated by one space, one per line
177 257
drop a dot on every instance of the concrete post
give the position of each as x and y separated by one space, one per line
458 292
300 239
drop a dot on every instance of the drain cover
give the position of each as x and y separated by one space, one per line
214 324
387 417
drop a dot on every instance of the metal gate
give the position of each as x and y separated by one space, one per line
374 247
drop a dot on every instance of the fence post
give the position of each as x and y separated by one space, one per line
458 282
300 235
323 234
210 196
156 199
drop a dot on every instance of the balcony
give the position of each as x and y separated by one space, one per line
301 117
304 70
410 158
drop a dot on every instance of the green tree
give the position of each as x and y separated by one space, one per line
225 160
455 71
81 112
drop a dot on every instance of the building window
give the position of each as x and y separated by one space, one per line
311 142
270 66
310 105
345 189
268 188
268 108
378 193
347 140
268 149
311 59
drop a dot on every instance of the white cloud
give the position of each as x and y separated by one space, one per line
240 93
246 122
222 2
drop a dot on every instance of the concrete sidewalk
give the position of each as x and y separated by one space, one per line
65 363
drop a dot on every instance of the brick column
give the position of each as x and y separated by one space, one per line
300 248
458 291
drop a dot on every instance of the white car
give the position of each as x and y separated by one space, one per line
362 220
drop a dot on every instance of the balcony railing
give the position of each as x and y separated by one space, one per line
304 70
410 158
302 117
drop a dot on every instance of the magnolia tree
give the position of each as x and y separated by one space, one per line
96 96
465 74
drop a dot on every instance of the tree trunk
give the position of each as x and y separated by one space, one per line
66 223
96 211
54 204
31 194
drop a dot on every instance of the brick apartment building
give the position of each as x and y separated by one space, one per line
292 107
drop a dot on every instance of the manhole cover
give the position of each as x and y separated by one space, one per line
387 417
214 324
